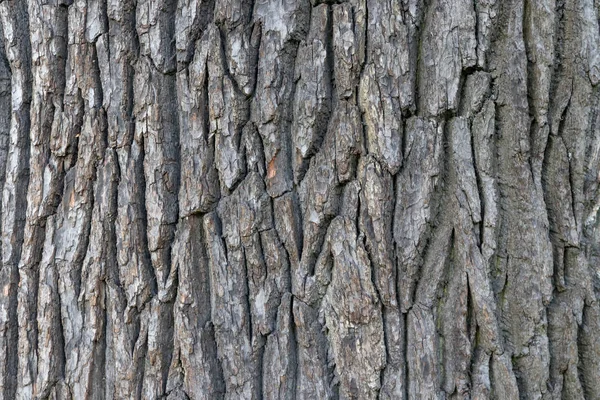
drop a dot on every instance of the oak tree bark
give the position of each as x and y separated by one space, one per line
299 199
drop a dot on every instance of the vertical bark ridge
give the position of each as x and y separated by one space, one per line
157 126
44 191
15 22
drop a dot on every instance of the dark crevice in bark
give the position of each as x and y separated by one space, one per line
97 380
5 113
440 208
111 273
477 27
320 239
205 111
140 367
135 328
480 190
260 366
225 64
420 31
21 67
247 296
534 125
256 37
551 190
589 178
499 273
60 330
219 382
559 50
175 150
364 148
330 64
12 357
83 246
294 350
572 184
143 214
205 15
322 123
406 364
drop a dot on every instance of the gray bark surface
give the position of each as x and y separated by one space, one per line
285 199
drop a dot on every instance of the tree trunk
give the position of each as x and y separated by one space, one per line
284 199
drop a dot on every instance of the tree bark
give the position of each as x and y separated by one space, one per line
286 199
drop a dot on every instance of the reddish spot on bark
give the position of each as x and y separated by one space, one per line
271 171
72 199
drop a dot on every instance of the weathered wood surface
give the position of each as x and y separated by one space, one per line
284 199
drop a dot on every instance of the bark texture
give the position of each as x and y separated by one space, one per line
294 199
